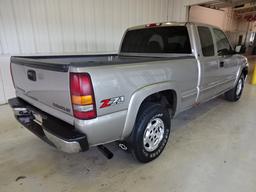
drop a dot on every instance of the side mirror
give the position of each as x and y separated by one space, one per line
238 48
224 52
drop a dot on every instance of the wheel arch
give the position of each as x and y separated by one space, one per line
245 71
242 70
166 93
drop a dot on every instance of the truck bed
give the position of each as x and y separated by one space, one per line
63 62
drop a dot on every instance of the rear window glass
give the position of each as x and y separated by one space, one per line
174 39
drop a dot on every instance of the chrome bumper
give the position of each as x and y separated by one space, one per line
53 131
62 145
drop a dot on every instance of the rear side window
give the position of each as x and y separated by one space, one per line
174 39
206 41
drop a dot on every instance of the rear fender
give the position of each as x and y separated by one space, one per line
139 96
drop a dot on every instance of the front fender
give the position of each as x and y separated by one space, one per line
139 96
243 64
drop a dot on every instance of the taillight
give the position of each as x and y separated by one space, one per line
82 96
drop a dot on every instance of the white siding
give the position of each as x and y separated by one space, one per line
6 86
68 26
73 26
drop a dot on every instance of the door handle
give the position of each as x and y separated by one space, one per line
222 64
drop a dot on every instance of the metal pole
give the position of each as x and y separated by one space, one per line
247 33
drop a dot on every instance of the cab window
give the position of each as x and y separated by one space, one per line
223 46
206 41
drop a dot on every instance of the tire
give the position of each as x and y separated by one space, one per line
234 94
151 132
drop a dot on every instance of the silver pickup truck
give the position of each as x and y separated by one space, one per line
74 102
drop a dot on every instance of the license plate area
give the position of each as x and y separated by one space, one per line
21 111
26 115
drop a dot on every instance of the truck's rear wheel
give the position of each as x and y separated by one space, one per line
151 132
235 93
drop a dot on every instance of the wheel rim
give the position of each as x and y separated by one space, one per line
153 134
239 87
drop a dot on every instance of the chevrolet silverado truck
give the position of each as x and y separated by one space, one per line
74 102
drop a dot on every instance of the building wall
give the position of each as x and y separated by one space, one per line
208 16
29 27
68 26
244 28
230 20
226 20
223 19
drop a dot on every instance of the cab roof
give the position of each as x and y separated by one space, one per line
168 23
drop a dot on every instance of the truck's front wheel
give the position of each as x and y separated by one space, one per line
151 132
235 93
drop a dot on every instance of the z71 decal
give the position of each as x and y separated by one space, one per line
112 101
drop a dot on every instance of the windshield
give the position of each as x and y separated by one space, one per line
173 39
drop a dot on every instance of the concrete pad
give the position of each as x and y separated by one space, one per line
212 148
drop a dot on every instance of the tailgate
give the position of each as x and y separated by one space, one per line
43 85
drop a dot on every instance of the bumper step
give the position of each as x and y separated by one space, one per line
53 131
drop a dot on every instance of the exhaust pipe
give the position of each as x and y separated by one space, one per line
106 152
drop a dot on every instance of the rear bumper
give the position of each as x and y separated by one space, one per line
53 131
